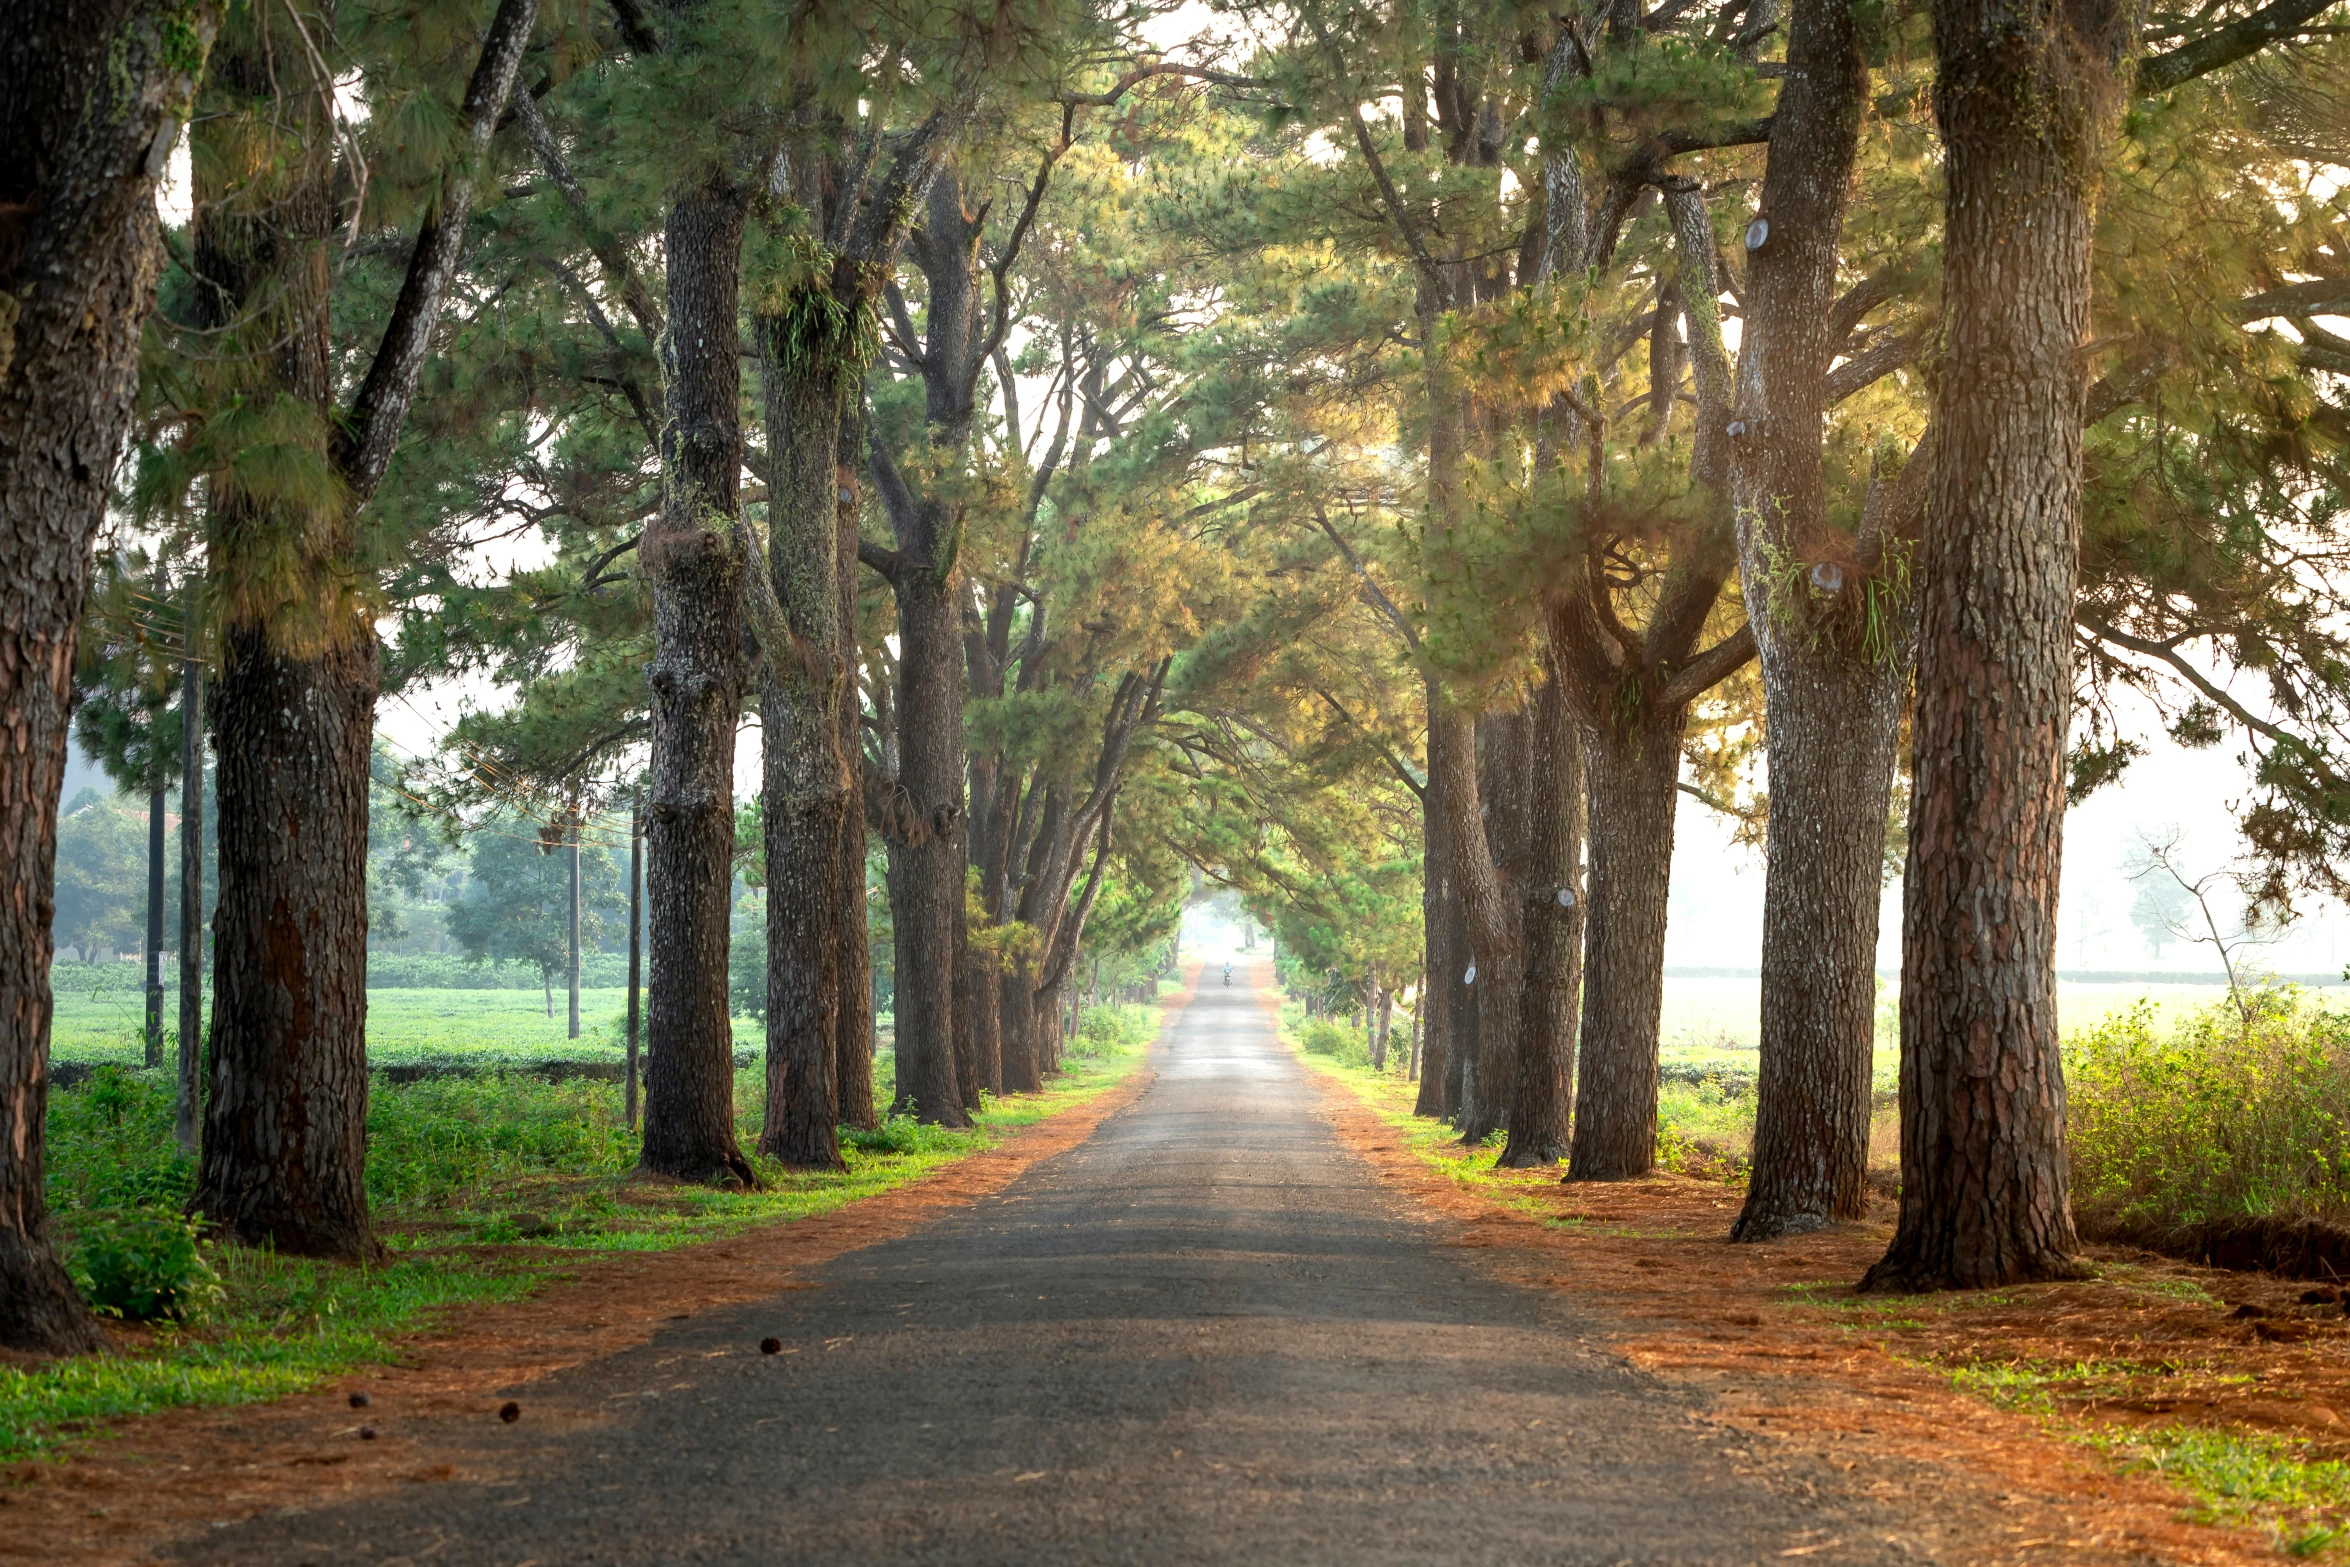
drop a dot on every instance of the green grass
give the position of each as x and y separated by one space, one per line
2247 1478
2235 1477
482 1187
402 1025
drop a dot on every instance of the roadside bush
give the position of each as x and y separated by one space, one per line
110 1145
147 1265
1327 1037
2226 1115
446 1139
1112 1026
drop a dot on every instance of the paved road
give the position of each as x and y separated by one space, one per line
1204 1335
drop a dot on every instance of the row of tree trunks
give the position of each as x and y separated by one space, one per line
91 98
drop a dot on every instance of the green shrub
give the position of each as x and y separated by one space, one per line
900 1134
146 1264
1342 1042
446 1139
2231 1113
1112 1026
110 1145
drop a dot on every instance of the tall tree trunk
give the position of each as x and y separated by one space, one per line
284 1147
1832 734
1489 906
1834 693
91 98
807 378
1048 1029
187 1107
853 1020
1017 998
2024 94
968 1078
571 966
928 900
1541 1109
692 555
285 1121
1632 791
987 1036
1460 1049
157 797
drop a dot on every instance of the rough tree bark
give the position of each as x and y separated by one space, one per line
91 97
693 557
806 376
156 800
1632 773
285 1122
1551 907
926 877
1830 631
2024 94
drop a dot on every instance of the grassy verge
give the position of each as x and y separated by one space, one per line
484 1189
2255 1479
1697 1126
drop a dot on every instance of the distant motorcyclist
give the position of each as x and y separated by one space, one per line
1227 973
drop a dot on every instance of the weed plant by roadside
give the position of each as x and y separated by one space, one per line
2231 1113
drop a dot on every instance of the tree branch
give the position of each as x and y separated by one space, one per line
369 430
1372 592
1708 669
2238 40
606 249
1871 365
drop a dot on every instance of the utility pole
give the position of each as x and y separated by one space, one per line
158 783
636 945
576 823
185 1105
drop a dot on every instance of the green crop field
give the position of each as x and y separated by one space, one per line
402 1025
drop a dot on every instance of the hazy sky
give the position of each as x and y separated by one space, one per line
1717 899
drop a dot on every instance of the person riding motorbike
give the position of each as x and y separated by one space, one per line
1227 973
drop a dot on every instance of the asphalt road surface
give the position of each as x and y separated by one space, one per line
1206 1334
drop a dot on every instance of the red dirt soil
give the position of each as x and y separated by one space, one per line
1650 1257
